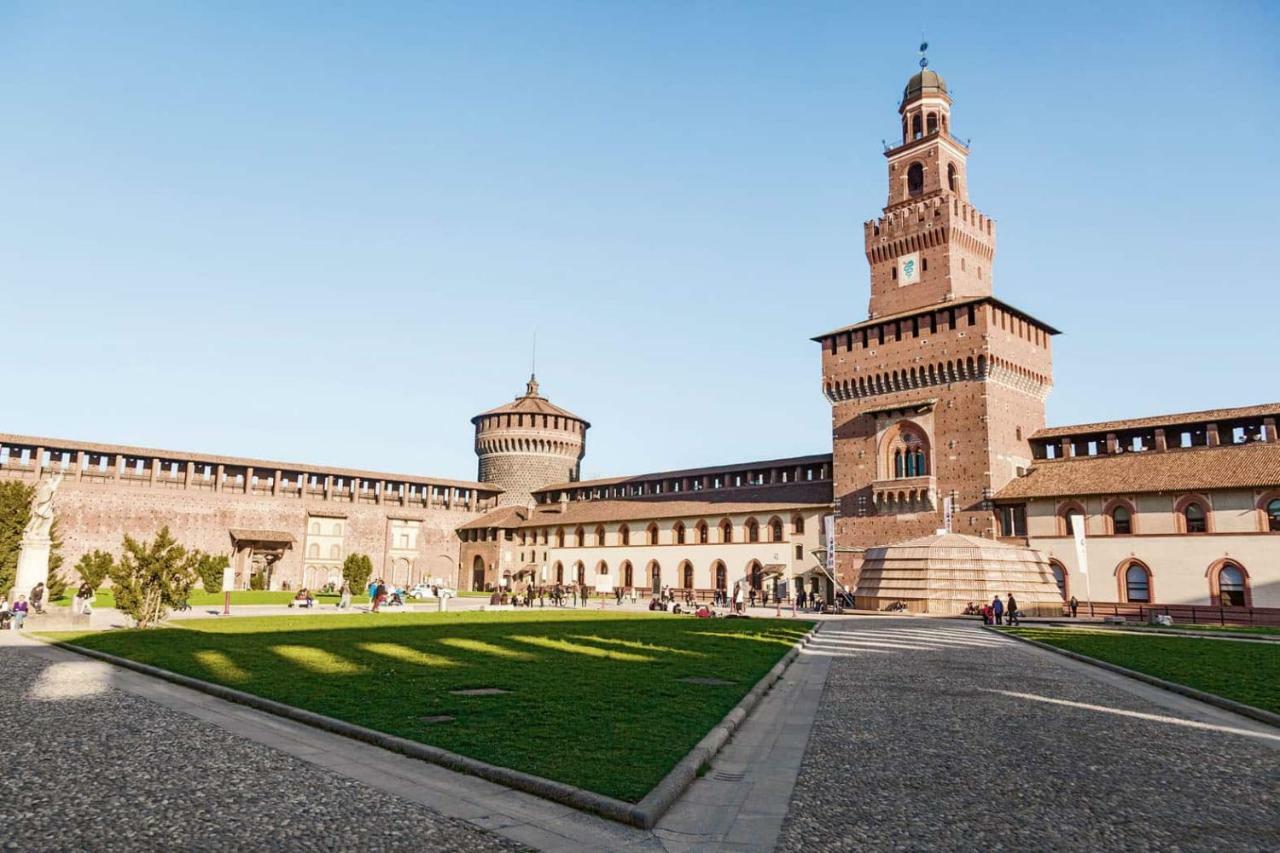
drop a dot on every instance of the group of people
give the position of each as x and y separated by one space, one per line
524 595
997 612
380 595
14 613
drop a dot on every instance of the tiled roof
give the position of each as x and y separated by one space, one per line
1207 416
937 306
815 459
1193 469
257 535
530 403
711 506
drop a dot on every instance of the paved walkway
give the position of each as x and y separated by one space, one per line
886 733
90 764
937 735
179 743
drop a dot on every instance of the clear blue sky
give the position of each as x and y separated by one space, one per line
326 232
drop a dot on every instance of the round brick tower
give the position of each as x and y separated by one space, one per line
529 444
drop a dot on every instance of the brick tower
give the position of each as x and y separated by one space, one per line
935 394
529 444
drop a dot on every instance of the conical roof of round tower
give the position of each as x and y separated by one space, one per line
531 402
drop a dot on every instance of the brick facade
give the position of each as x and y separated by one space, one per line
405 524
936 393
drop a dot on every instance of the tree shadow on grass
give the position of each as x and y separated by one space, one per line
596 702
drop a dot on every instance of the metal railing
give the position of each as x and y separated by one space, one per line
1195 614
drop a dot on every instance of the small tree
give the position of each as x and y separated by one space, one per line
209 567
151 577
94 567
356 570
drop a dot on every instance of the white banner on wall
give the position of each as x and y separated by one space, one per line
829 528
909 269
1077 530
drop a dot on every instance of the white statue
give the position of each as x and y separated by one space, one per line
42 509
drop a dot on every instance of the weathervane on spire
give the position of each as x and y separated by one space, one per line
924 60
531 389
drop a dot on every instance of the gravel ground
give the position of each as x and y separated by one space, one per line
88 767
911 750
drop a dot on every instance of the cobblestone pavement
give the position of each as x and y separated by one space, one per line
89 767
939 735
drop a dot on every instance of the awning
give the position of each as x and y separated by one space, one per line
245 536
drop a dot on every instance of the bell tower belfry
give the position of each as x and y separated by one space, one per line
930 245
935 394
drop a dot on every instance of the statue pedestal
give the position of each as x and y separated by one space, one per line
33 564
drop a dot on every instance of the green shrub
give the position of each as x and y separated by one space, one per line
152 577
356 570
95 567
209 567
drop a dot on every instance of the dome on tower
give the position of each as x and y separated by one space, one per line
925 82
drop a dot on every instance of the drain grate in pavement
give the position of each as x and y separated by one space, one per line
710 682
437 718
480 691
728 776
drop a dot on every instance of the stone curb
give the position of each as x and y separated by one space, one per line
644 814
1235 707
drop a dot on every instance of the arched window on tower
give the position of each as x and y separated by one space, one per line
916 130
907 450
952 179
931 125
915 179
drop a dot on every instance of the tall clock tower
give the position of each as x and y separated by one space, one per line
934 395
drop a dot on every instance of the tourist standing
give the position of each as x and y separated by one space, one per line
800 598
1074 605
737 598
1012 610
997 608
751 597
344 595
373 591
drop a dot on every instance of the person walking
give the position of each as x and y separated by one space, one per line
1074 605
997 607
1012 610
373 590
737 598
751 600
379 596
344 595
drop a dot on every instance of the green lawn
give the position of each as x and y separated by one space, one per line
1245 672
594 700
105 598
1225 629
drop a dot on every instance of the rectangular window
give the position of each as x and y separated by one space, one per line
800 548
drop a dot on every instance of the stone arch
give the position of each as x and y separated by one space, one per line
685 575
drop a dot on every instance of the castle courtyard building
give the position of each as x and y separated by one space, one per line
943 481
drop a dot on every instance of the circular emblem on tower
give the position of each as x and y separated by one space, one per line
529 444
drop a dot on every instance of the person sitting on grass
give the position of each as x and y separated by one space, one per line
704 612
